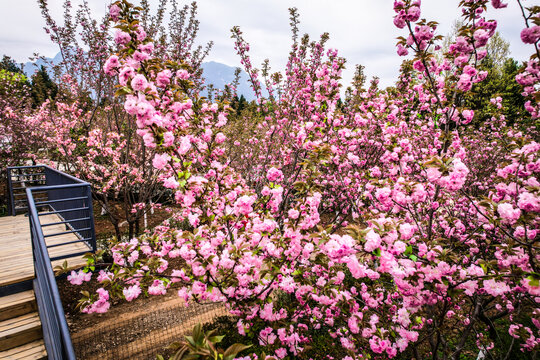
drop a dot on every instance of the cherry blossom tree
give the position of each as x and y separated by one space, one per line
386 220
88 130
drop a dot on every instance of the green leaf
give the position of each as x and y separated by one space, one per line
174 346
123 91
484 267
216 339
408 251
233 350
533 281
190 340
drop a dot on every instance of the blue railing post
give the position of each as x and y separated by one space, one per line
10 191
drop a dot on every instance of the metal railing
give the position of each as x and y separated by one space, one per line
53 320
19 179
59 200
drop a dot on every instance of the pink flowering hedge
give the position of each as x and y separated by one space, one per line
387 219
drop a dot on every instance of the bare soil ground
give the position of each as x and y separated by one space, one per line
132 330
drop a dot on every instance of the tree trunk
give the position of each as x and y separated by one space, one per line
131 229
117 231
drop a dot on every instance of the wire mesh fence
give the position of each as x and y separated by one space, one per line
144 336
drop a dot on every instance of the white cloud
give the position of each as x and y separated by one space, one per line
361 30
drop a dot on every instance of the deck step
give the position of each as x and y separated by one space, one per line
34 350
16 287
19 331
15 305
17 275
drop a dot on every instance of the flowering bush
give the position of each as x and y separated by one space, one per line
386 219
17 140
111 158
88 131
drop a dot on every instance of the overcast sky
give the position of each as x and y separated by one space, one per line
362 30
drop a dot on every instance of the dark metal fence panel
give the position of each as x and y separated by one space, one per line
60 194
19 179
73 204
55 329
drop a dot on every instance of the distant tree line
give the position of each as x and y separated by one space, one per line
40 84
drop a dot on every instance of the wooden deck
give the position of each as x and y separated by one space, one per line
16 263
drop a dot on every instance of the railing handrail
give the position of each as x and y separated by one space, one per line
49 168
44 269
26 166
55 187
64 174
12 208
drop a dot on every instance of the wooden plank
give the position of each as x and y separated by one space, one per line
24 271
6 301
17 262
8 325
10 259
19 331
15 244
17 304
22 254
17 278
66 250
23 258
32 351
